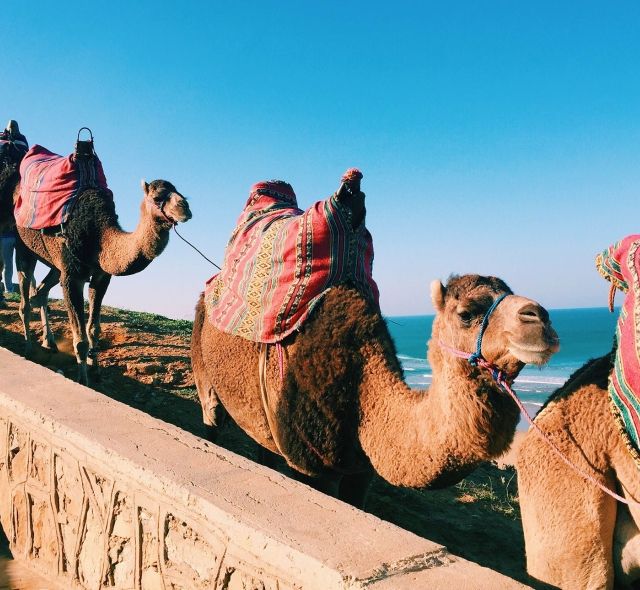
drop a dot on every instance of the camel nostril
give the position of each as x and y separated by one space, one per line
533 313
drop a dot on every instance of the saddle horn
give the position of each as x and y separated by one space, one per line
84 147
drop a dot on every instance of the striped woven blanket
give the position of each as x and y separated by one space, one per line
50 185
281 260
620 264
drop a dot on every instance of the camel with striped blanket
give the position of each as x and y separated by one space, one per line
576 535
92 249
331 399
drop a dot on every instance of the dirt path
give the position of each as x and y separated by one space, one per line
145 364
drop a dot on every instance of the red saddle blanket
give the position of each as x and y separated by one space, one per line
620 264
50 185
281 260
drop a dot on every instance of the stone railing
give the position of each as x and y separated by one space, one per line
95 494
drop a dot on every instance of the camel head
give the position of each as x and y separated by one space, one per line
165 203
518 330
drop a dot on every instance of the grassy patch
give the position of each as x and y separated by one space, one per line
498 493
140 321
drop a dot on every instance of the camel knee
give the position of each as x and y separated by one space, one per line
213 413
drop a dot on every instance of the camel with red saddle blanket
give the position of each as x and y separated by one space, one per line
87 243
329 395
576 535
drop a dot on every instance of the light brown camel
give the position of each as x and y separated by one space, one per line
576 536
341 408
93 248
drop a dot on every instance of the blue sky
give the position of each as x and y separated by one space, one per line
495 137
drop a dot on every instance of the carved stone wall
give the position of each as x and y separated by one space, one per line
93 529
94 494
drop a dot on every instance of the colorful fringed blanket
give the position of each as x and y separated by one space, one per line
50 185
620 264
281 260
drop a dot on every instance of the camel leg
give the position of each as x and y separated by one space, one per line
354 487
72 288
40 298
25 265
214 421
97 289
568 522
213 412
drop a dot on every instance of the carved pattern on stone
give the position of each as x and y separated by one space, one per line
78 521
119 570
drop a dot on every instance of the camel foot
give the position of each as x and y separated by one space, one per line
92 356
83 377
28 349
49 345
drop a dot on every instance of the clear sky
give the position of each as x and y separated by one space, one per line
495 137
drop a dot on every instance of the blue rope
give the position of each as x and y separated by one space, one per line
473 359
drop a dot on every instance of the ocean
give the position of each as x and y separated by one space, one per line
584 334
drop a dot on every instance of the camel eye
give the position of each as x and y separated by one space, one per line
465 316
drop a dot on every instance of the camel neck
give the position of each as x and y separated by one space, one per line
126 253
434 437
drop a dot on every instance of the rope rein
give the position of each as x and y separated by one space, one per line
476 359
196 249
174 225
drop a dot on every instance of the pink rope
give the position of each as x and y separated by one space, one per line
501 379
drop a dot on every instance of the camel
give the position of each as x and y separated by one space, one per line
334 404
9 175
576 535
93 248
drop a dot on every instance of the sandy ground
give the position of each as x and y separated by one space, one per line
148 367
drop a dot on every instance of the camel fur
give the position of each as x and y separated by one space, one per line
93 248
576 536
341 409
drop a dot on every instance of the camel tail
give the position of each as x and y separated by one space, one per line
211 409
196 335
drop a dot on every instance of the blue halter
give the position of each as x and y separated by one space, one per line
477 355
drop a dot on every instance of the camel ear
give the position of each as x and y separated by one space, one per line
145 186
437 295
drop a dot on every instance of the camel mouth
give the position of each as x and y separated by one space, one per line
534 355
184 217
